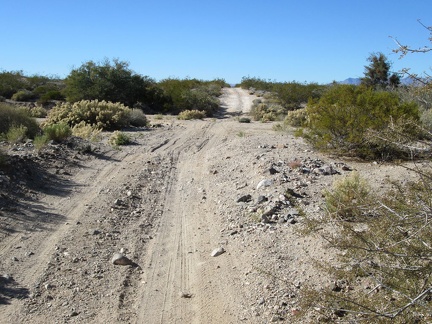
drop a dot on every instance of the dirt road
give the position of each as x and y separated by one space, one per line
155 201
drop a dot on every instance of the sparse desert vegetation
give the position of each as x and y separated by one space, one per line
341 193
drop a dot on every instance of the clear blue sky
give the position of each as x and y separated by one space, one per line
283 40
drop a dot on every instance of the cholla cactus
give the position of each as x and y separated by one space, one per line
99 114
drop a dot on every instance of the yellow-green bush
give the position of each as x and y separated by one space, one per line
100 114
86 131
296 118
38 112
264 112
191 114
16 134
119 138
57 132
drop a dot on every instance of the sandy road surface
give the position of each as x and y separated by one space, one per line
153 199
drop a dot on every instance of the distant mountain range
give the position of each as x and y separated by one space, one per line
357 81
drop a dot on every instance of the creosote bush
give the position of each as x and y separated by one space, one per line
244 120
23 95
16 134
57 132
342 118
119 138
100 114
137 118
191 114
385 261
11 116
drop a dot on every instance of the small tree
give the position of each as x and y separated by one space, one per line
377 73
108 81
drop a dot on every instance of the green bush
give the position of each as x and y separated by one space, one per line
23 95
137 118
197 99
10 83
191 94
244 120
57 132
16 134
40 141
119 138
343 117
191 114
11 116
100 114
291 95
111 81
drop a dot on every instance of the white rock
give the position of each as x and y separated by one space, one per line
120 259
218 251
264 183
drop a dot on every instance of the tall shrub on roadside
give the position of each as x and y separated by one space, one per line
344 116
109 81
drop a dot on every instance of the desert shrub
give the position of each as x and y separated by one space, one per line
426 119
16 134
348 198
264 112
111 81
244 120
100 114
11 82
255 83
38 112
57 132
137 118
343 116
191 114
86 131
40 141
191 94
422 95
296 118
23 95
119 138
291 95
11 116
198 99
385 264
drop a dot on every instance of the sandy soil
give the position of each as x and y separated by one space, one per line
166 202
